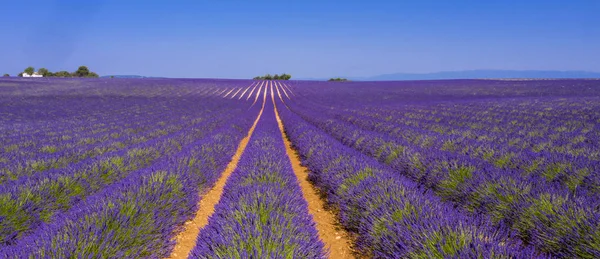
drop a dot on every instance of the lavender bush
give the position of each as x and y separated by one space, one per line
547 194
392 215
262 213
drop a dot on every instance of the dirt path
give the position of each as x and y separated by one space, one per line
257 94
265 95
212 91
224 96
334 238
285 92
221 92
279 94
186 240
289 89
242 95
250 94
236 92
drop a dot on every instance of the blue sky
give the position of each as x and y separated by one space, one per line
309 38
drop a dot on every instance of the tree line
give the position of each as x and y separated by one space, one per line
338 79
274 77
82 71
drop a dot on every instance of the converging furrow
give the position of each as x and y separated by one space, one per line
262 212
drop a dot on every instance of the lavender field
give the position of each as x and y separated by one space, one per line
202 168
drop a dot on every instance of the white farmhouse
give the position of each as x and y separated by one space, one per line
35 74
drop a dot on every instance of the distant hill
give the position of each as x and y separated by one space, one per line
478 74
128 76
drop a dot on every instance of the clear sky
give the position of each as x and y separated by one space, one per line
308 38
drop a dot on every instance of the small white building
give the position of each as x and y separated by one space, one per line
35 74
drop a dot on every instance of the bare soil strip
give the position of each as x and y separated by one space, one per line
236 92
186 240
279 94
289 89
250 94
242 95
285 92
220 93
334 238
224 96
265 94
257 94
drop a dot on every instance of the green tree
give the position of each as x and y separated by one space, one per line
20 74
6 75
29 70
43 71
62 74
273 77
112 76
338 79
93 75
82 71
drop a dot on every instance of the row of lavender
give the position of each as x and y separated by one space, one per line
35 197
262 213
109 118
30 201
516 122
573 172
41 107
561 123
138 216
62 122
92 119
124 201
556 214
53 155
566 136
93 105
392 216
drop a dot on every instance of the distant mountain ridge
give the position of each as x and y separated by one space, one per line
477 74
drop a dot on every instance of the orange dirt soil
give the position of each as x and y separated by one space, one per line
228 92
334 238
236 92
289 89
186 240
283 89
250 94
279 94
244 92
258 94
